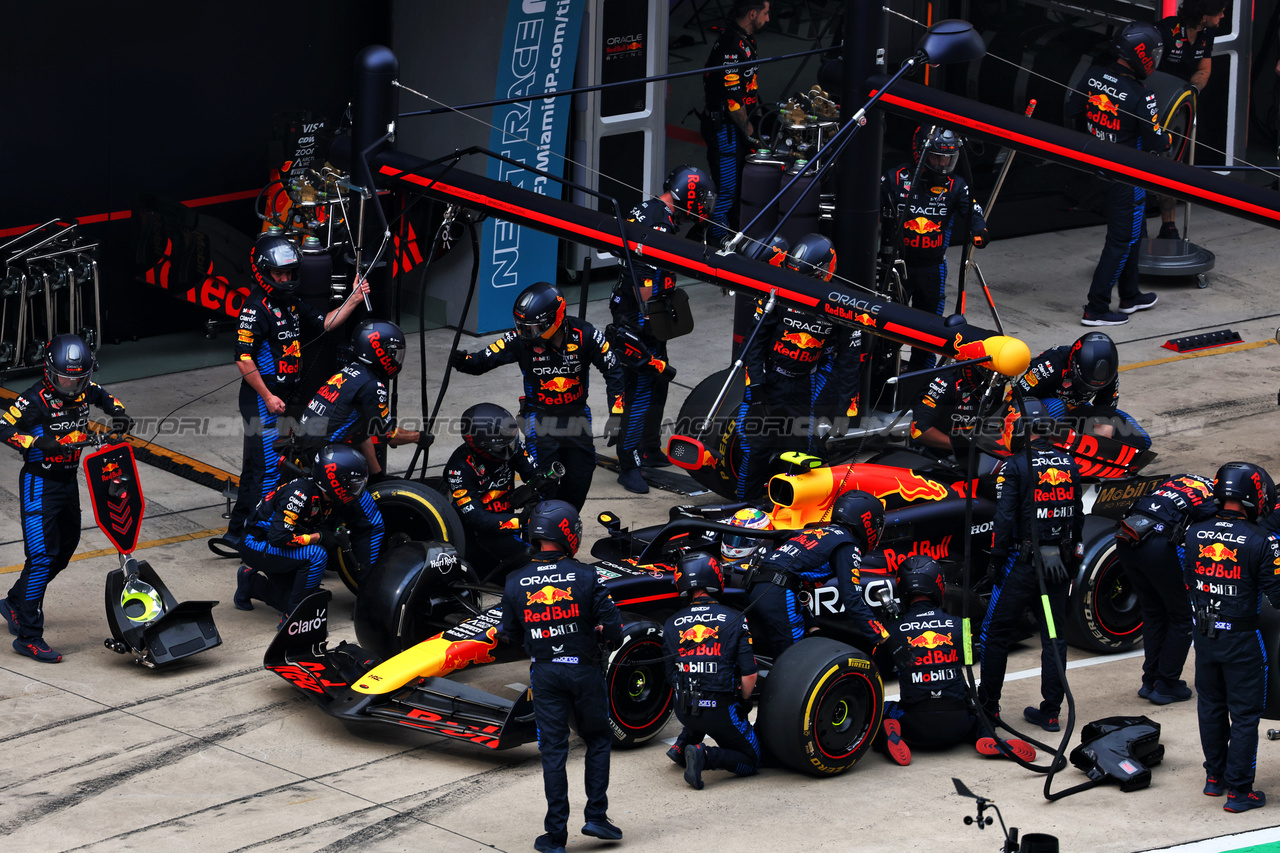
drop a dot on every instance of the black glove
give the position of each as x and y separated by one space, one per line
980 239
995 568
335 538
47 443
122 424
458 359
1072 552
425 440
612 430
904 660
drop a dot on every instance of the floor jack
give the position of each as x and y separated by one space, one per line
145 618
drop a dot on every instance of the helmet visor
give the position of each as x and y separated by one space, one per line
355 486
535 330
68 385
941 162
737 546
500 446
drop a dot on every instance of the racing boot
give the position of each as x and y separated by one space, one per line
1043 719
10 615
1213 786
632 481
602 828
1011 747
897 748
1243 801
244 582
38 649
695 758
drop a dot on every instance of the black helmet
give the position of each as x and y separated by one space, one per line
921 575
775 251
813 255
341 471
1139 44
68 366
539 312
1248 483
1033 420
862 514
274 253
380 345
690 190
558 522
1094 361
698 570
941 150
490 431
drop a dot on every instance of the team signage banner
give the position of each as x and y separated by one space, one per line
539 51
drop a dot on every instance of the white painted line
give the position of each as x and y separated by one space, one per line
1035 671
1226 842
518 687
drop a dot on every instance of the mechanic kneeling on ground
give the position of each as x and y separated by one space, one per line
52 411
555 353
1229 563
933 710
1147 543
814 556
1080 384
480 475
563 641
1046 494
292 533
712 667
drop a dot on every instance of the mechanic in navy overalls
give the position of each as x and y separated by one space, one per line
948 410
732 98
1229 564
1080 383
1045 493
814 556
1147 543
292 533
555 352
559 609
269 356
53 411
932 710
801 370
711 665
684 196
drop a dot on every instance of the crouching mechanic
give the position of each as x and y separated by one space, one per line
814 556
555 353
712 667
1044 493
933 710
1229 563
292 533
481 475
39 424
563 641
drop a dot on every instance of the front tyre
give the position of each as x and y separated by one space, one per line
821 707
640 699
415 510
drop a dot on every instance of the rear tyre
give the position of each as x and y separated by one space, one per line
721 438
821 707
640 699
1103 614
415 510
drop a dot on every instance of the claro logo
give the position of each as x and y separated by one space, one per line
310 625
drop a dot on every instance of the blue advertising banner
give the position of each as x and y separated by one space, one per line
539 51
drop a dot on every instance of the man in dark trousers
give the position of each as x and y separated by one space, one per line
1147 542
711 665
559 609
1118 107
1229 563
1044 493
815 555
932 710
555 353
43 424
685 195
732 101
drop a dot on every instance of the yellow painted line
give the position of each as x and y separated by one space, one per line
107 552
1200 354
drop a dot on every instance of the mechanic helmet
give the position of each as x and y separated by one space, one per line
1247 483
862 514
813 255
774 253
690 190
1033 420
1093 361
557 522
698 570
736 547
68 366
274 253
941 151
341 472
921 575
1140 45
490 431
380 345
539 312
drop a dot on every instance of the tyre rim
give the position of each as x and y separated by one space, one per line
1115 604
633 700
843 715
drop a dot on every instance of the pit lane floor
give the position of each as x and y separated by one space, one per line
216 755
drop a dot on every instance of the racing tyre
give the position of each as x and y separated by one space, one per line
722 437
1103 614
415 510
821 707
640 699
